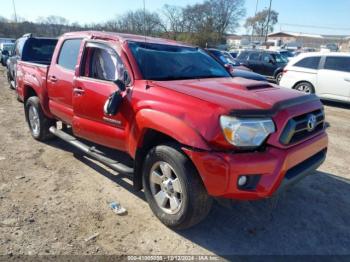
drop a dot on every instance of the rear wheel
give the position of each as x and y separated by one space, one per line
305 87
11 81
173 188
38 123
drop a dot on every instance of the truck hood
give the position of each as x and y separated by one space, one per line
232 93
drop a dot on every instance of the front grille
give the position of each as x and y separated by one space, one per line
306 165
298 128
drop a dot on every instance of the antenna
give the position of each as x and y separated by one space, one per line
14 10
144 19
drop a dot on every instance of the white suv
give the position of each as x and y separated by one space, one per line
324 74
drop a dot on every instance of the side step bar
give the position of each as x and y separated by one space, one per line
92 152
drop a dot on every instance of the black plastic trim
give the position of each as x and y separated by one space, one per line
276 108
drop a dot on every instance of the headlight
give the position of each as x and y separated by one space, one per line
246 132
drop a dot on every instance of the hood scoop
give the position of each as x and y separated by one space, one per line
258 86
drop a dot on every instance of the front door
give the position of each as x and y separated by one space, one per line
333 80
101 65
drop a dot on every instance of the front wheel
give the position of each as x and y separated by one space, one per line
173 188
39 124
279 77
305 87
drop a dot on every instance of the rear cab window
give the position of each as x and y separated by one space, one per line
337 63
69 53
39 50
309 62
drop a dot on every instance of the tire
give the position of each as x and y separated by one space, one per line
194 204
11 81
279 77
38 123
305 87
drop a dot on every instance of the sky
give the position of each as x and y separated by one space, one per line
305 16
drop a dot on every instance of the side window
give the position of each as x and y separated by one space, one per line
102 64
243 56
266 58
254 56
69 53
337 63
309 62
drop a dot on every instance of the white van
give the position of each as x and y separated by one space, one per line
324 74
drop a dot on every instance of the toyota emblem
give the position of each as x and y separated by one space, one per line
311 123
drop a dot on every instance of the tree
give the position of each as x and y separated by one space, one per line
258 23
174 21
55 25
203 23
136 22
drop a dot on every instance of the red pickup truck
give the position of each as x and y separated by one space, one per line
194 132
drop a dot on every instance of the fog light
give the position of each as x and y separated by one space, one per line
242 180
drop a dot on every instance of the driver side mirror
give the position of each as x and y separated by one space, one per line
113 103
115 100
271 61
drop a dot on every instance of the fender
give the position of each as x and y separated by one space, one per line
277 71
42 94
169 125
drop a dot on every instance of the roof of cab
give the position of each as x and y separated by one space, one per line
122 37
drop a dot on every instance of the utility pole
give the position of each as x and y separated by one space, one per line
268 21
14 10
256 10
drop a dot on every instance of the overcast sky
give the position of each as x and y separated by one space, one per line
319 16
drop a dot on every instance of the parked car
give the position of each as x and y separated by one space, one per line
29 49
287 54
266 63
234 54
193 131
324 74
234 67
5 52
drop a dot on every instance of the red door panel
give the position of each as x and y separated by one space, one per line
90 122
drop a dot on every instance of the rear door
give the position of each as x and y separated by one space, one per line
333 79
101 65
268 65
254 62
60 79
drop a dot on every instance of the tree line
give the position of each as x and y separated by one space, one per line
203 24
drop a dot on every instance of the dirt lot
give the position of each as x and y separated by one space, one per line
52 199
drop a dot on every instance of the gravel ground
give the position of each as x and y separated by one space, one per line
52 199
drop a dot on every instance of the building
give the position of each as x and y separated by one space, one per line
298 40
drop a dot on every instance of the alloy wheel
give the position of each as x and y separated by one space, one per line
166 187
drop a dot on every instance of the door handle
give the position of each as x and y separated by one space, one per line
78 91
53 79
347 79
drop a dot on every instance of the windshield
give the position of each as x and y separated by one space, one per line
169 62
8 47
287 54
280 58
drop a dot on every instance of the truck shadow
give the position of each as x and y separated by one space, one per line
310 218
336 104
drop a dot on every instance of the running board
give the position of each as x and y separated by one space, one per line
92 152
